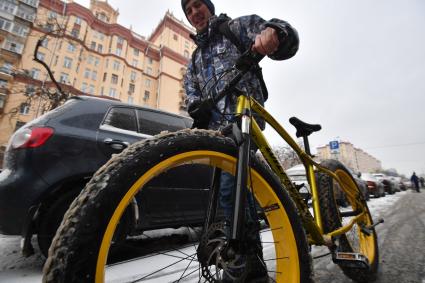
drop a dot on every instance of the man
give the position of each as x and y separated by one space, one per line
216 53
415 180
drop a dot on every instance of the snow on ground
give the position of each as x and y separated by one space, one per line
16 269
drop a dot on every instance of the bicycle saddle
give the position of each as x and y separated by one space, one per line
303 128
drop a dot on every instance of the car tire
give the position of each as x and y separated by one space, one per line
51 217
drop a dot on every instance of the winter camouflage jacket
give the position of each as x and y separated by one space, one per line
216 54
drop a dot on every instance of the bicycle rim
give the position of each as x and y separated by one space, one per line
278 241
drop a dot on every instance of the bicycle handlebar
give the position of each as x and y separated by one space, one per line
243 64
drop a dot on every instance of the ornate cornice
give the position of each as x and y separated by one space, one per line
172 23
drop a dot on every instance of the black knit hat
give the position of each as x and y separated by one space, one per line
208 3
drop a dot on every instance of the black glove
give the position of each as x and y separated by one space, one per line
200 111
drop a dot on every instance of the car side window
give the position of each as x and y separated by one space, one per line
152 123
122 118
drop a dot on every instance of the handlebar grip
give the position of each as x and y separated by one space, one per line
248 59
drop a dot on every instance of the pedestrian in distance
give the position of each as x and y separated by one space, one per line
415 181
422 181
220 41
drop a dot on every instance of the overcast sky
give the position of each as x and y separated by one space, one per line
359 72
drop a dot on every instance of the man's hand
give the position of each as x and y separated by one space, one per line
266 42
200 109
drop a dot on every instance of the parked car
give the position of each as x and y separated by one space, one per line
388 184
298 176
49 160
398 183
361 184
374 186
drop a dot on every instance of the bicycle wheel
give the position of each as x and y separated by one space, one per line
334 207
81 250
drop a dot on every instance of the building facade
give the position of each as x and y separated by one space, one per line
88 52
350 156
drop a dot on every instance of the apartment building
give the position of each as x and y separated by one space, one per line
16 18
90 53
355 158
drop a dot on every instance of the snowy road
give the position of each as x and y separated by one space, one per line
401 245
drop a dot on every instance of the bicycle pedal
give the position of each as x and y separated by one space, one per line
351 260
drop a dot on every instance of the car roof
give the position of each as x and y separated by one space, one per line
114 102
296 170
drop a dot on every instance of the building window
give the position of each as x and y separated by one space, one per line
45 43
24 109
146 96
186 44
64 78
94 75
175 37
112 92
130 100
186 54
136 52
134 63
3 83
5 24
90 59
149 70
41 56
78 20
67 63
96 61
71 47
150 61
100 48
91 89
104 77
116 65
131 88
52 15
114 79
84 87
93 45
87 73
75 33
35 73
118 51
133 75
120 40
8 7
148 83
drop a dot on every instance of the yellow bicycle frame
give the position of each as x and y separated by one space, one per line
313 225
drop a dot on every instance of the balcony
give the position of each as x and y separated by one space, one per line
3 97
25 15
5 70
32 3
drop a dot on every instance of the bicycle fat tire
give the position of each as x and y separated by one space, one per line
76 251
331 219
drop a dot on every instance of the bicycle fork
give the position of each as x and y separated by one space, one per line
240 192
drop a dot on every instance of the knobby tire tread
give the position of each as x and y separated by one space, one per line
331 220
65 262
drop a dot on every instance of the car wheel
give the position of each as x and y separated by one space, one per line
51 217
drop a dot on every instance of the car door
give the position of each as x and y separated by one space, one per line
175 197
118 130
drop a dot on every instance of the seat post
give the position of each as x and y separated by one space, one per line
306 145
